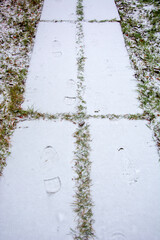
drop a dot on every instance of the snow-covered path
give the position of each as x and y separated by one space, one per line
81 175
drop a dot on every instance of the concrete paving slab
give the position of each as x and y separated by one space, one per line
100 10
126 176
36 190
59 10
110 82
51 81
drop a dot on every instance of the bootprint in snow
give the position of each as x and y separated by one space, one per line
50 170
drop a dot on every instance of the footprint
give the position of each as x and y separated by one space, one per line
52 185
56 48
70 100
118 236
71 84
70 92
127 165
57 54
50 167
71 88
56 44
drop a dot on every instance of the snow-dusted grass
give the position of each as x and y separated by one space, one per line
82 165
17 29
83 200
141 27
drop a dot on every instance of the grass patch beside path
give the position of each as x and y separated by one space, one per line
18 22
140 22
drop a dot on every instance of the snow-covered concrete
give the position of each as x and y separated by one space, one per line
59 10
51 81
36 190
126 176
100 10
110 82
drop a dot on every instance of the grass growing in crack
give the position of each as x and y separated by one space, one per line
18 25
144 116
103 21
79 10
141 26
32 114
83 201
81 109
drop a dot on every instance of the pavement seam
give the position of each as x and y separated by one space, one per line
33 115
58 21
83 203
83 21
102 21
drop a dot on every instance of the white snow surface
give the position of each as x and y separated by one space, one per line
59 10
51 82
110 82
125 176
36 190
100 10
1 98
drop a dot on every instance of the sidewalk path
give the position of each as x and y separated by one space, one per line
81 175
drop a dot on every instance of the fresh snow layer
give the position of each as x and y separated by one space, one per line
36 190
51 81
100 10
125 175
1 98
59 10
110 81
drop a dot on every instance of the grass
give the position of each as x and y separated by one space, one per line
19 19
83 200
79 10
141 26
103 21
83 203
18 26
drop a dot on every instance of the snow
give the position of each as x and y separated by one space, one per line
1 98
36 188
51 82
59 10
125 177
110 82
149 7
100 10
